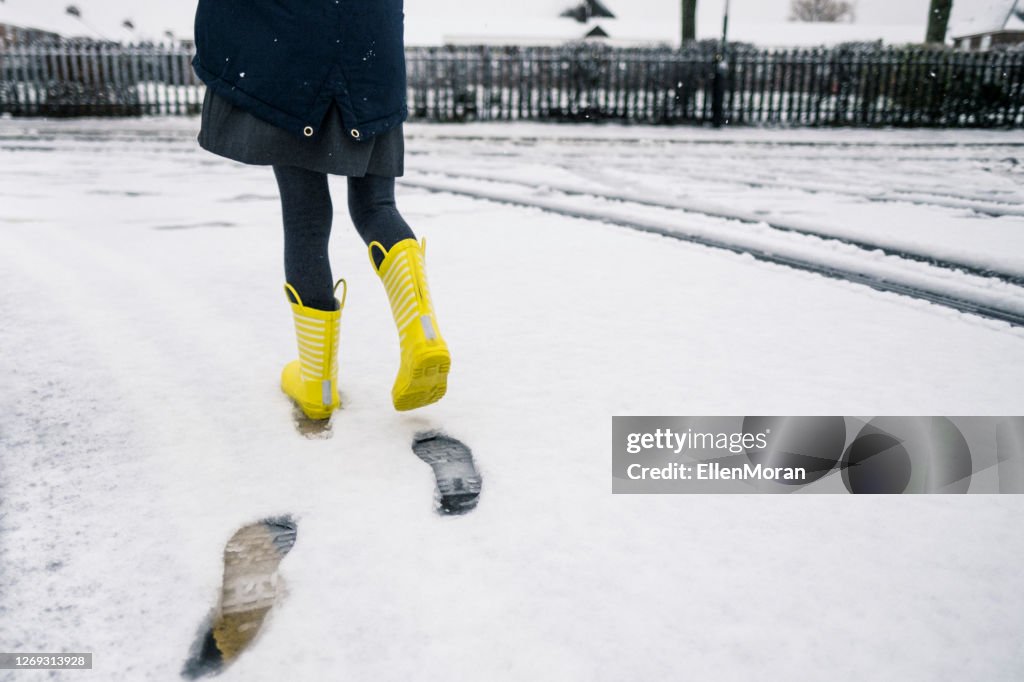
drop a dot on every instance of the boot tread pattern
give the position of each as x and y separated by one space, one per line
458 481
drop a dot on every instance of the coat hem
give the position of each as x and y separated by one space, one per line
293 124
253 105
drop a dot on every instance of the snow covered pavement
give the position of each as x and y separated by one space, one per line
144 327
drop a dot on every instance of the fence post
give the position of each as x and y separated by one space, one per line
718 92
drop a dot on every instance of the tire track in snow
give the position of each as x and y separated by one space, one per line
750 217
903 195
995 300
707 142
723 172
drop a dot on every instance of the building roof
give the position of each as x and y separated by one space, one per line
985 16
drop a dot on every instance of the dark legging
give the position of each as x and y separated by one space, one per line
307 211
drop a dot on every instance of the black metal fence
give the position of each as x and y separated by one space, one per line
836 87
94 79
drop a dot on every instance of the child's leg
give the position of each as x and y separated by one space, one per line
371 203
398 260
307 212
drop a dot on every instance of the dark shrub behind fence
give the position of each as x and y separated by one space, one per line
865 87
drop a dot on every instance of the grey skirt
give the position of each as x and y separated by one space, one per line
231 132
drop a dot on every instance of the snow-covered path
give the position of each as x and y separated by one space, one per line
144 327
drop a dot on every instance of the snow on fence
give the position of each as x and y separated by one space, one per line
846 87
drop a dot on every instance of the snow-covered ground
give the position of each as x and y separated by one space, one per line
144 326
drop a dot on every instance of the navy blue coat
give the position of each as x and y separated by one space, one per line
285 61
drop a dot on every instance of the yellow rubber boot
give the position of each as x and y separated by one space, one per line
423 375
312 380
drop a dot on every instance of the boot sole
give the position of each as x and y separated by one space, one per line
429 381
318 413
315 415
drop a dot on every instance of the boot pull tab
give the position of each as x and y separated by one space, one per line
293 295
383 253
344 292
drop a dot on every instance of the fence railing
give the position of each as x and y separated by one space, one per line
96 79
845 87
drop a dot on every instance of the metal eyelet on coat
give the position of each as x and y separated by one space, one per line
355 133
308 131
